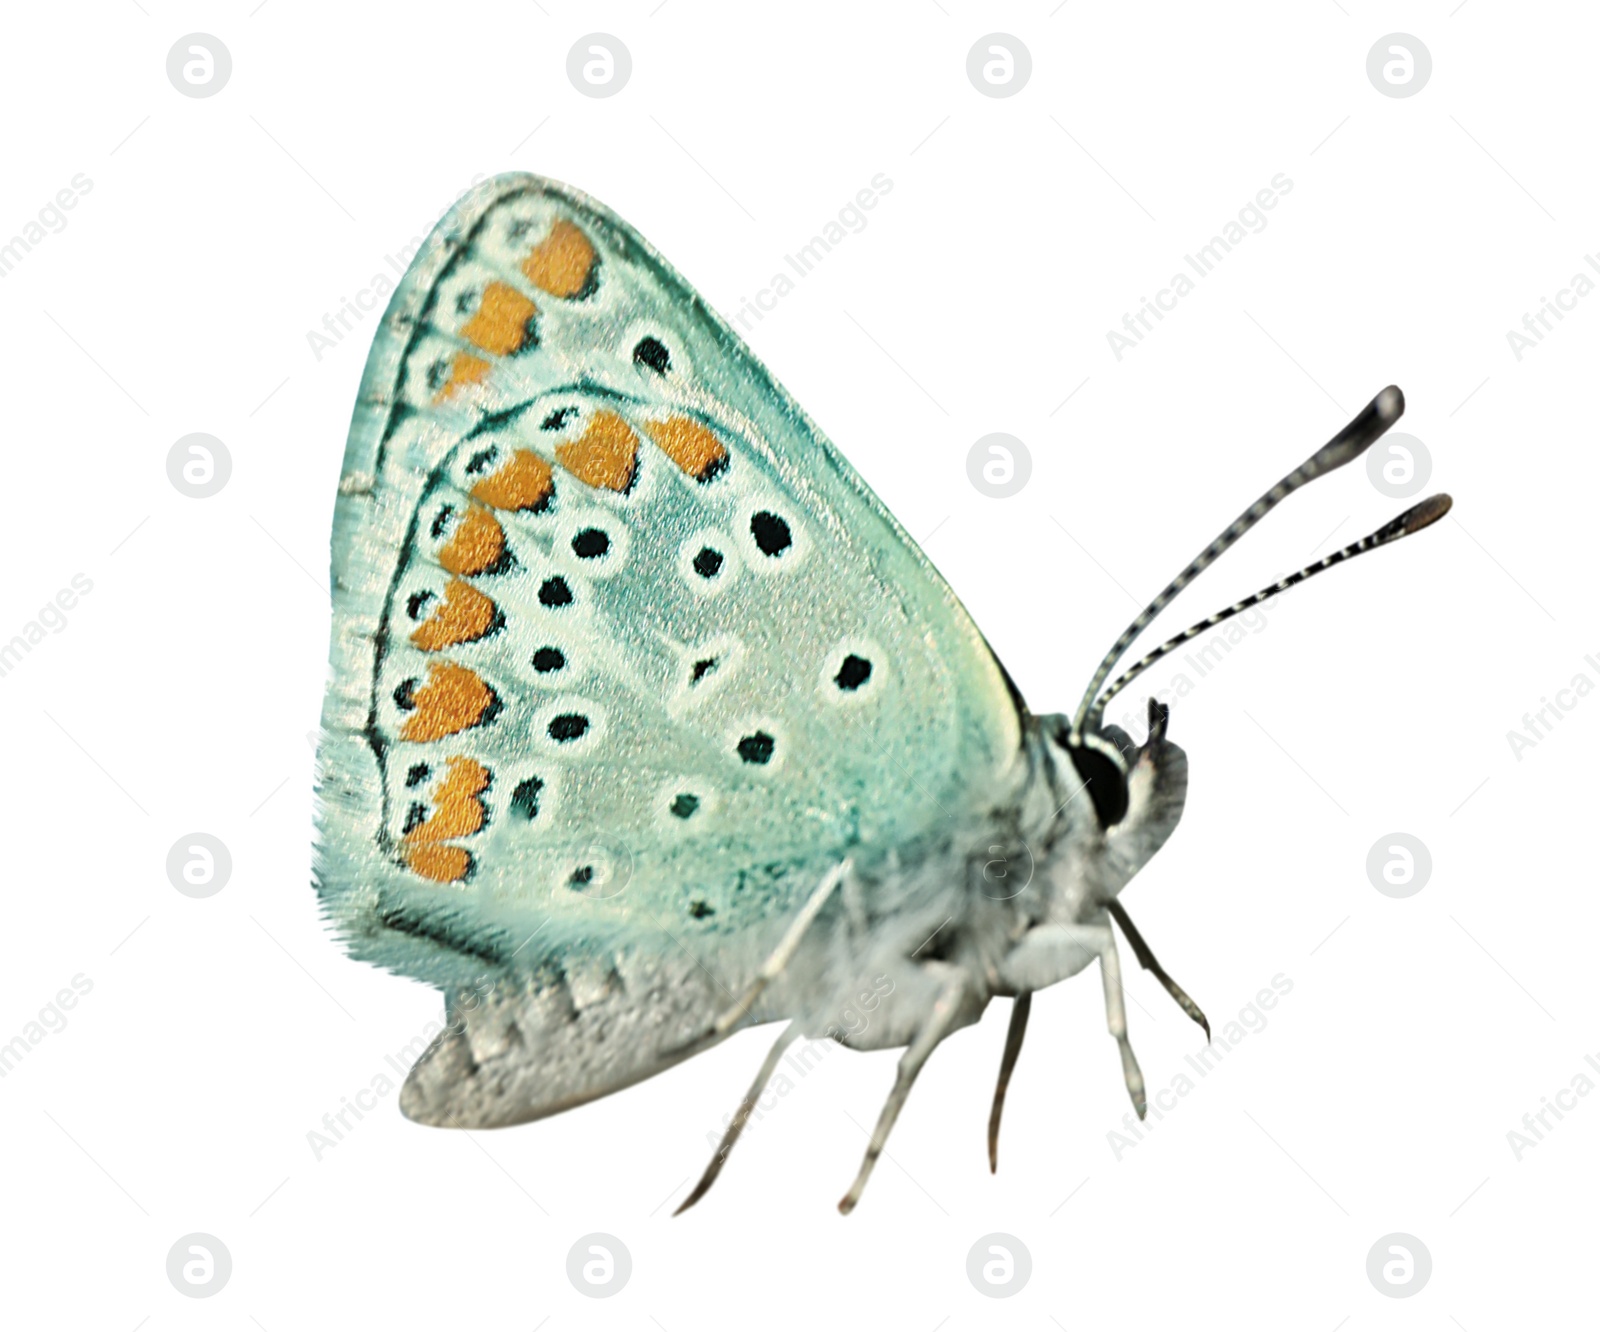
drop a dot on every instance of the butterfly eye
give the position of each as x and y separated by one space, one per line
1105 781
653 353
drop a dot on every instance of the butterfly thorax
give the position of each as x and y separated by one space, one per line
968 894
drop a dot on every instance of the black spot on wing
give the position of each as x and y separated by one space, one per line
590 544
568 726
525 798
771 533
651 352
854 672
757 748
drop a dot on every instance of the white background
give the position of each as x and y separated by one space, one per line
181 691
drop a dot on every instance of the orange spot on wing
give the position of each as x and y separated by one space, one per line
457 811
442 864
453 699
562 262
463 616
501 324
522 483
475 545
465 369
696 450
605 455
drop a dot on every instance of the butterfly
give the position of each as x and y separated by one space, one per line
647 722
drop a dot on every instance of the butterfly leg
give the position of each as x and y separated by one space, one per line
1147 960
1051 952
773 967
1117 1017
741 1117
1008 1061
946 1009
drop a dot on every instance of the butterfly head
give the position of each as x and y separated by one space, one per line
1107 784
1113 805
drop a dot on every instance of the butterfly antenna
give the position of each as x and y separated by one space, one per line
1348 445
1412 520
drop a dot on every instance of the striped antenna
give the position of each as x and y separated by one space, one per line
1412 520
1349 444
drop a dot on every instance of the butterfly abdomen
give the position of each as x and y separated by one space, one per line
519 1046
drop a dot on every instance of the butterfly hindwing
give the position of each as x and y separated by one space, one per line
624 652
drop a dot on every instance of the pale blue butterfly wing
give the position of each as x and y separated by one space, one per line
625 654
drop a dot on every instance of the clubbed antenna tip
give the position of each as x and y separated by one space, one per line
1418 516
1362 433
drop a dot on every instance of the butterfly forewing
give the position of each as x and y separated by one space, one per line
623 649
